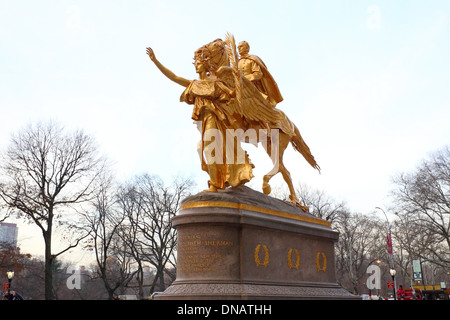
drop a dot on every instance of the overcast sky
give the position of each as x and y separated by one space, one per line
366 82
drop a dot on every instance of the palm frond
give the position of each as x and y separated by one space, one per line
234 61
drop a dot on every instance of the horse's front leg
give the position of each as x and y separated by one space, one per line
272 151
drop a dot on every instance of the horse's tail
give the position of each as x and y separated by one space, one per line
300 145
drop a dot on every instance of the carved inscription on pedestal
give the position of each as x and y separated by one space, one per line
198 253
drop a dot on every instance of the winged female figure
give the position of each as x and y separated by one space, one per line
224 101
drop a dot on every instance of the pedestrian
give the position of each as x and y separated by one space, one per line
401 294
12 296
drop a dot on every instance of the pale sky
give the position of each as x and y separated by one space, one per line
366 82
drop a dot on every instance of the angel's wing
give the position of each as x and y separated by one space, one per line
254 106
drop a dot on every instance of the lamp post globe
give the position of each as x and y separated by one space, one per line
10 274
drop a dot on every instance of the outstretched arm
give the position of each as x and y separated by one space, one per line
169 74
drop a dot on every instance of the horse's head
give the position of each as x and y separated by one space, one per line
213 55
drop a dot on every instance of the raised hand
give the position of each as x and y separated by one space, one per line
151 54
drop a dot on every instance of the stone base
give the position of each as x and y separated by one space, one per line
236 291
242 244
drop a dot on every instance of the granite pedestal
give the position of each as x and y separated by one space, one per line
242 244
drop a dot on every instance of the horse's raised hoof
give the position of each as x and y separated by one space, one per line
266 188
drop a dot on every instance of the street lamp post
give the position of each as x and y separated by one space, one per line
390 253
393 272
10 275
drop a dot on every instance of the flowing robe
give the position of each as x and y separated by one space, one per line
212 107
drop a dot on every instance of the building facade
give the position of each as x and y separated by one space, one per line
8 233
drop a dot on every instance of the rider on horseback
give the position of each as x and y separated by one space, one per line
254 69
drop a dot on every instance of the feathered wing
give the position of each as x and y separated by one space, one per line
255 107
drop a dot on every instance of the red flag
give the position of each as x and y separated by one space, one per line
389 243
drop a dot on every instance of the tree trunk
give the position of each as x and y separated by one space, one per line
162 285
48 271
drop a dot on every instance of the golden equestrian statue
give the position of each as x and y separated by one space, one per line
234 100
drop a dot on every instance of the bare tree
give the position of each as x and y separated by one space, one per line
128 204
30 281
319 203
153 207
422 199
46 174
104 224
357 248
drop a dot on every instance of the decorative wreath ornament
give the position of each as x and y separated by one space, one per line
297 259
266 255
324 258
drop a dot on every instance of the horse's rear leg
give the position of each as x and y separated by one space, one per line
294 200
284 142
287 178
